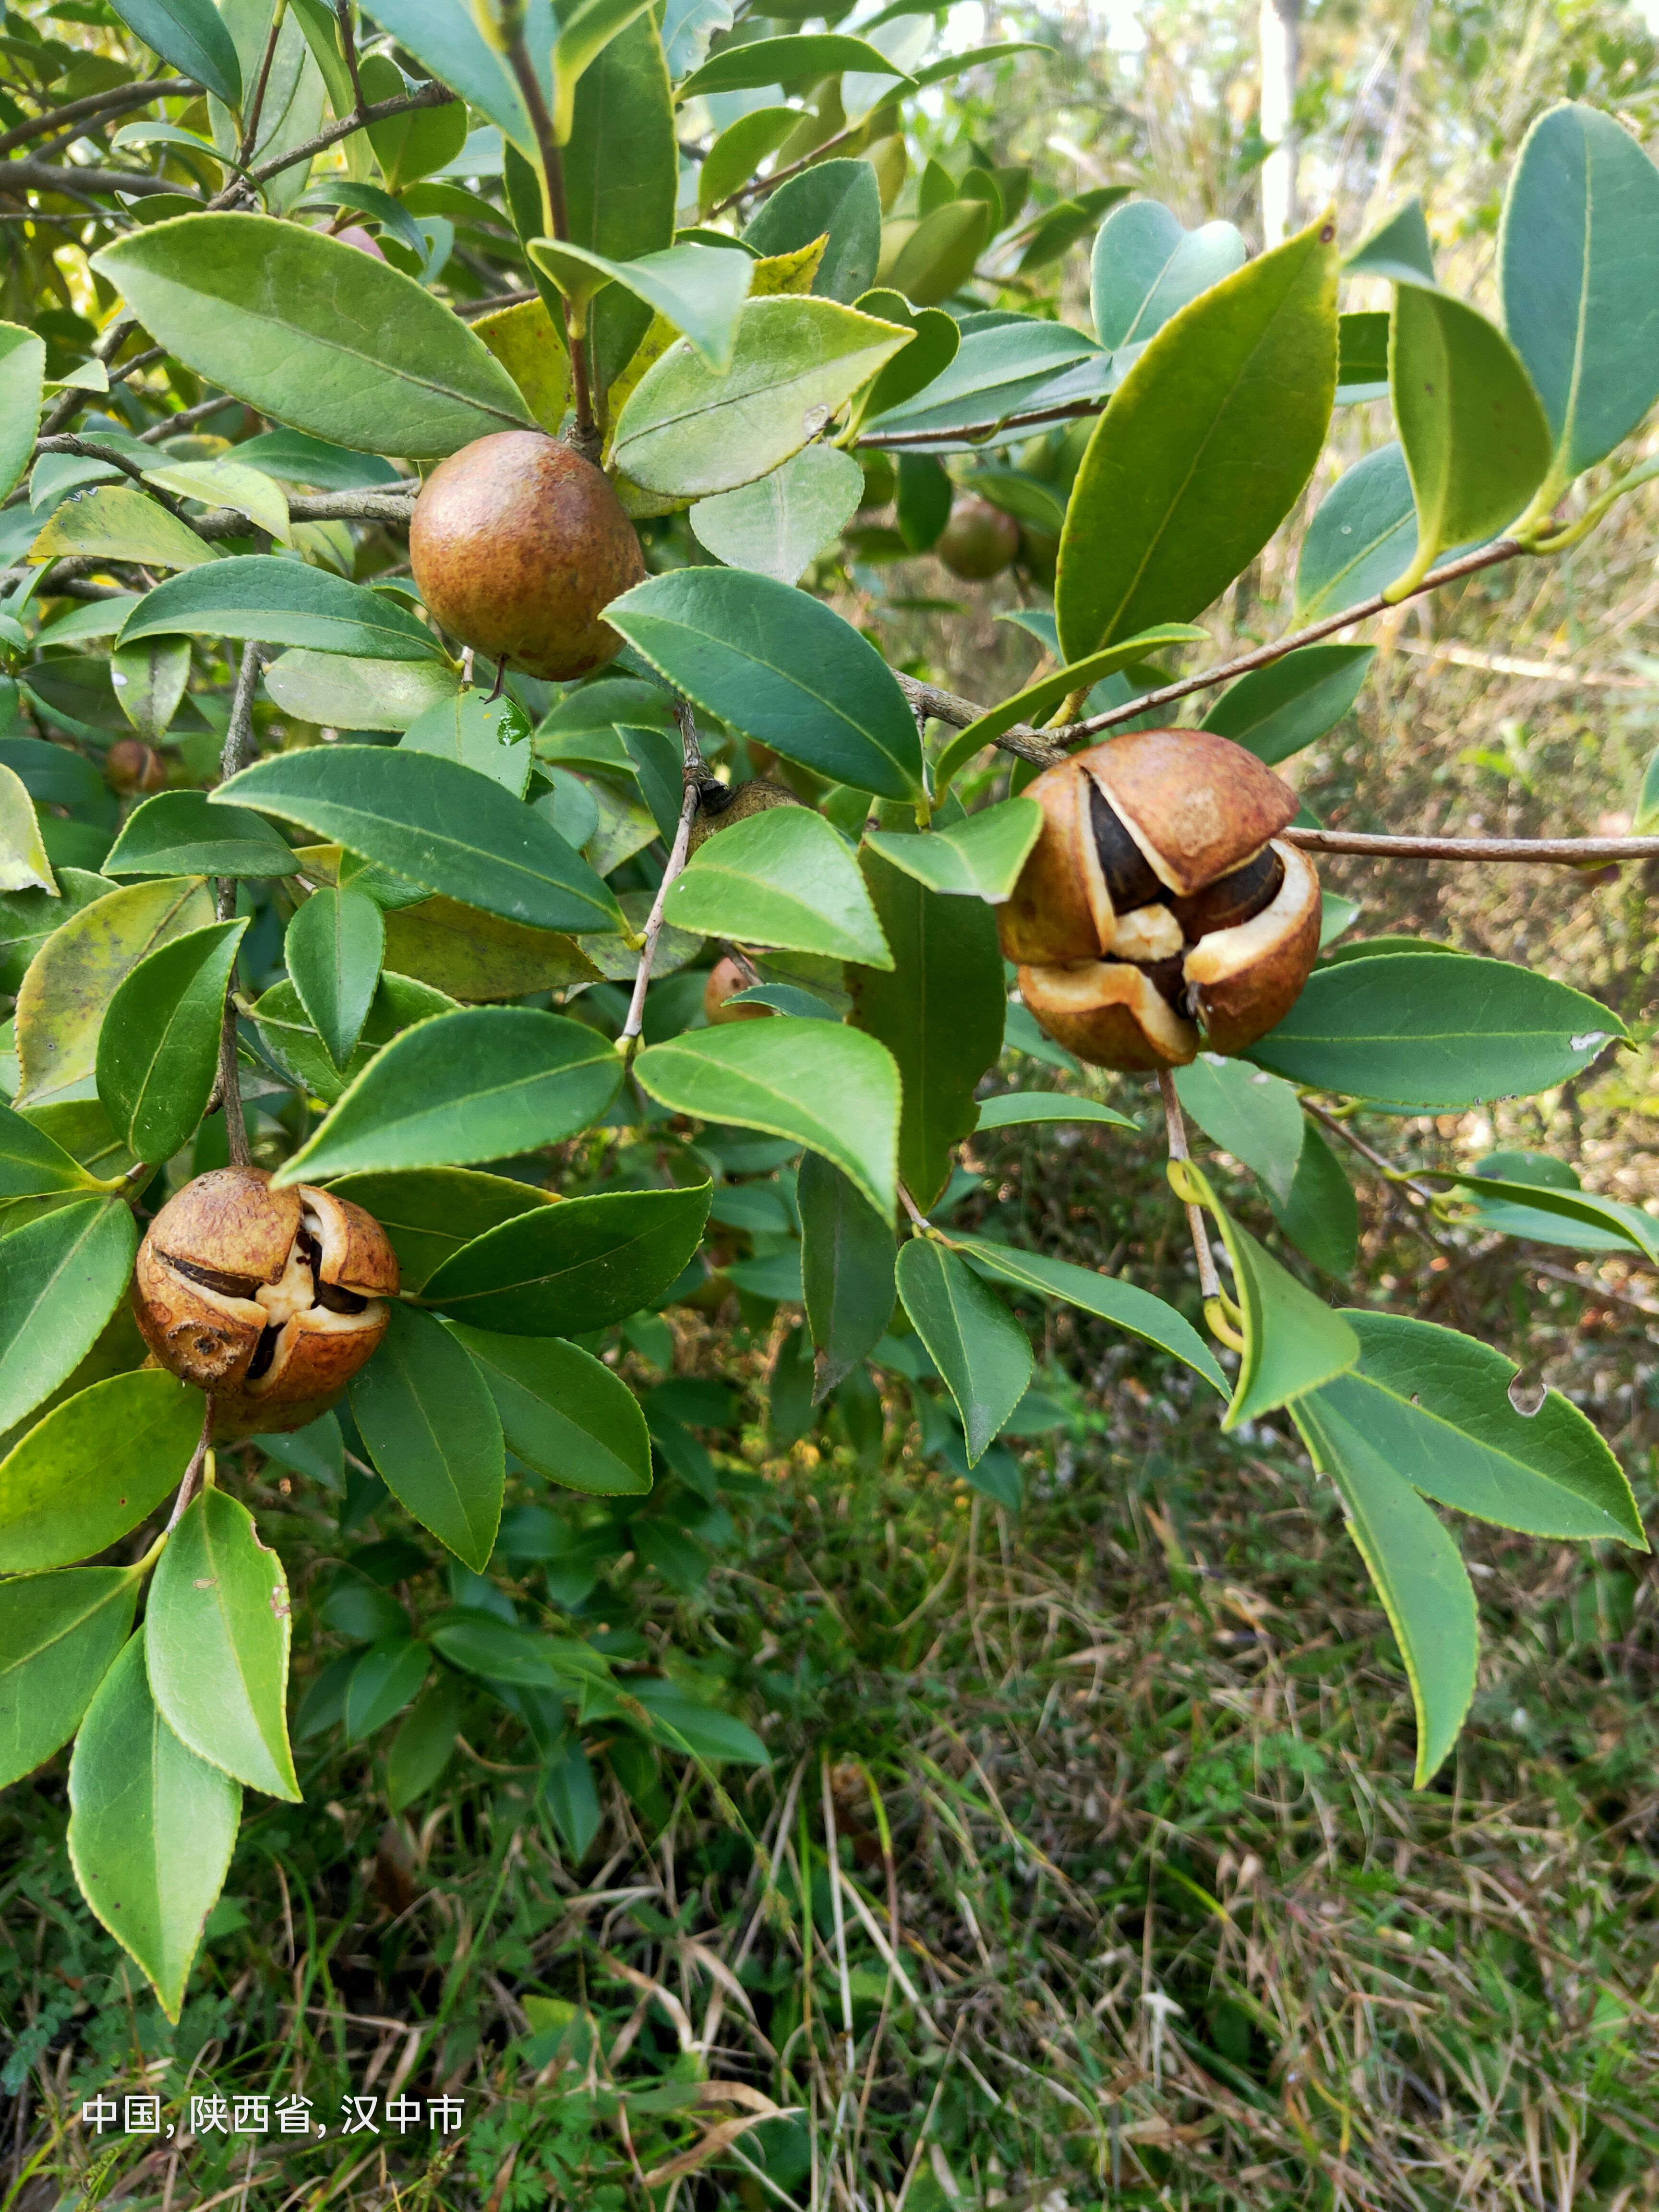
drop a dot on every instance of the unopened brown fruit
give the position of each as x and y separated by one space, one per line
978 541
518 545
1158 913
130 766
269 1300
720 805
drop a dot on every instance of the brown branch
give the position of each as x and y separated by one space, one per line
758 187
45 177
1063 410
94 108
692 774
429 95
932 704
256 106
199 1461
239 749
1572 852
491 306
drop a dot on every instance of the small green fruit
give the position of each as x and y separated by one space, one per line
978 541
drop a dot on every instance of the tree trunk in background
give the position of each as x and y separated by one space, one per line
1279 23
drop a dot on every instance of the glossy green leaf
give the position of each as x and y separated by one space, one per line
775 525
1275 711
1362 537
31 1164
117 522
217 1644
432 1212
979 858
148 680
151 1828
97 1465
1121 1303
1424 1032
480 1084
568 1269
781 878
1398 249
22 368
738 151
158 1050
1321 1216
424 1745
176 834
283 603
432 1431
491 736
1561 1213
341 693
564 1413
436 823
622 185
939 1011
1145 267
928 354
1204 447
63 1273
979 1350
839 201
1011 1109
996 371
1579 256
314 333
847 1259
285 1030
686 433
1249 1113
1419 1577
1476 439
59 1633
700 289
446 40
799 59
783 667
386 1678
51 774
828 1088
333 950
1293 1341
584 33
1362 358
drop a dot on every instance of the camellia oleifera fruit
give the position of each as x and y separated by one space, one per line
518 545
978 541
1158 913
269 1300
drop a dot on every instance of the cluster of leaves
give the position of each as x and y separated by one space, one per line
395 920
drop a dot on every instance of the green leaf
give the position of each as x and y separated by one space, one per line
525 341
496 1649
432 1431
939 1012
1207 442
1550 1212
685 1724
979 858
1121 1303
117 522
1293 1341
700 289
217 1644
1362 537
151 1828
1036 701
584 34
1419 1577
480 1084
384 1680
566 1270
996 371
1579 255
1320 1216
283 603
847 1259
445 39
685 432
929 354
801 59
336 691
23 369
1013 1109
228 483
1275 711
98 1464
158 1050
432 1212
174 834
1247 1112
23 863
149 680
622 185
314 333
820 1084
424 1745
738 151
1399 249
29 918
399 1002
1476 441
190 35
31 1164
65 1273
775 525
1423 1031
491 736
333 950
782 667
781 878
1145 267
979 1348
436 823
563 1412
839 201
58 1635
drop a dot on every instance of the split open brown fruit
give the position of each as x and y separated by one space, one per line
518 545
1158 913
269 1300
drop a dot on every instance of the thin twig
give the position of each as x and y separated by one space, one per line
1566 851
349 47
256 106
94 108
1386 1169
759 186
199 1461
1209 1283
635 1022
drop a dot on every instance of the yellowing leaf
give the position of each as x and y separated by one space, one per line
116 522
528 347
23 863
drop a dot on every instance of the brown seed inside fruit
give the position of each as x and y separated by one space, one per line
518 544
1231 898
1129 878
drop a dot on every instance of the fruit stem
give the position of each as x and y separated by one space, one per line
585 436
201 1464
1209 1283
